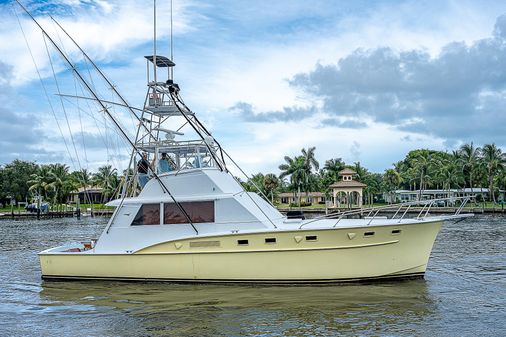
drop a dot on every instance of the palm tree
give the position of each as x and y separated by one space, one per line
392 180
480 176
450 173
107 179
310 163
373 182
421 165
255 184
309 159
470 156
60 182
39 181
494 161
333 166
501 182
361 171
271 182
297 170
83 178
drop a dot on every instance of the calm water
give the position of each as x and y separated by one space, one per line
463 294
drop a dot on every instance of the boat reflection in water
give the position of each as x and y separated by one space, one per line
183 309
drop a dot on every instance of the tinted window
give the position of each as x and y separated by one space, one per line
199 211
149 214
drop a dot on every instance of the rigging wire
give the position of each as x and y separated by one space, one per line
62 104
81 126
102 137
67 120
43 86
45 91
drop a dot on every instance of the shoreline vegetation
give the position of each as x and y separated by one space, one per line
422 169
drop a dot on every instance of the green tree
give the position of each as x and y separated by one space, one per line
107 179
373 182
60 182
332 167
494 161
470 157
391 180
296 169
310 163
15 177
39 181
421 165
271 183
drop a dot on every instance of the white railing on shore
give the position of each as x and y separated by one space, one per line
372 212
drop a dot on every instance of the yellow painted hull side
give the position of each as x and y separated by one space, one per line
335 255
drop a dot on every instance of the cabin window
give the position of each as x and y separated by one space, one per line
270 240
368 234
396 231
311 238
242 242
198 211
148 214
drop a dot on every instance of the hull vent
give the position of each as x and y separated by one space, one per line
196 244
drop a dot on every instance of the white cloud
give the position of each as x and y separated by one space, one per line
108 31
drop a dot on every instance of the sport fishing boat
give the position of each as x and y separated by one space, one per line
194 222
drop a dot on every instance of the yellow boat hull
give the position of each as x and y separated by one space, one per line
326 255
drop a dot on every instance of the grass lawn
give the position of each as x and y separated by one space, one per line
94 206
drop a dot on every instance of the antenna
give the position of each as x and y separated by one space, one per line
154 38
171 43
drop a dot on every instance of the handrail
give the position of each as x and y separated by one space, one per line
403 214
427 205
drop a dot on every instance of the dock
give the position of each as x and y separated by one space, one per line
55 214
413 210
27 215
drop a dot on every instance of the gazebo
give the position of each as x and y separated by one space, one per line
347 192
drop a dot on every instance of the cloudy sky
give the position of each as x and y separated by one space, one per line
362 80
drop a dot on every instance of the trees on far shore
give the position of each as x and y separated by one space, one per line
469 166
23 181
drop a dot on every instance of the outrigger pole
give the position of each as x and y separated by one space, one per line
104 77
106 110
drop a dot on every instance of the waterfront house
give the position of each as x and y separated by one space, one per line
310 197
90 195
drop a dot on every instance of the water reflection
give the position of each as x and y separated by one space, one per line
211 310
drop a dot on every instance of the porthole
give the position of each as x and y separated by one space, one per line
242 242
270 240
311 238
368 234
396 231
